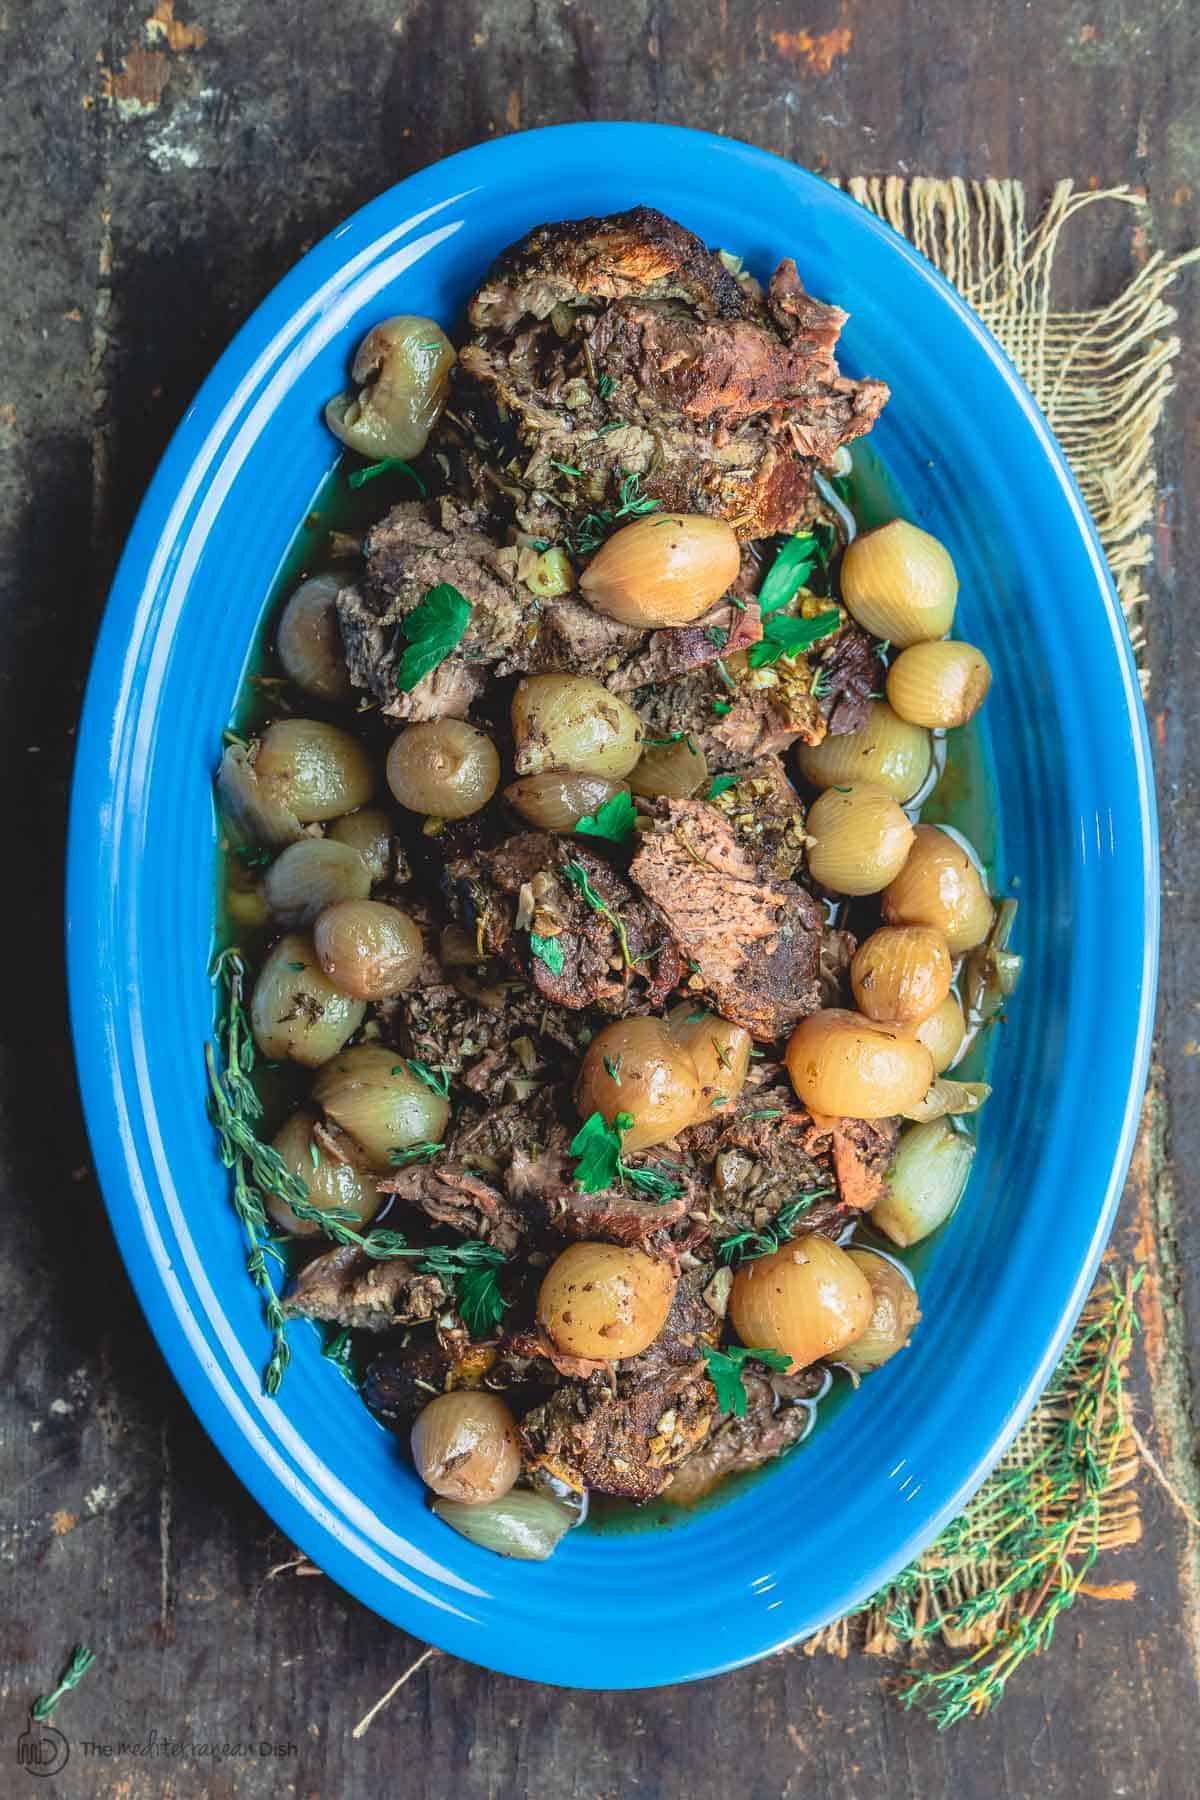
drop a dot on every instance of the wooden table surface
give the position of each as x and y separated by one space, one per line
161 169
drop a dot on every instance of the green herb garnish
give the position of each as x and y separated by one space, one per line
725 1368
472 1267
604 386
81 1660
357 479
785 636
403 1158
794 563
575 873
595 526
716 634
432 628
336 1349
436 1080
597 1144
612 1068
548 950
721 707
565 468
721 785
748 1246
614 820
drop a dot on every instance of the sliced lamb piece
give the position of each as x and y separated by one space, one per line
598 968
347 1287
541 1182
852 675
616 1434
581 261
415 548
573 636
451 1194
668 654
773 1421
753 945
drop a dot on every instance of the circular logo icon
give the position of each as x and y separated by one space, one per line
42 1749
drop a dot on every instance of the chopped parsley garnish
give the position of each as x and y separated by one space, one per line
604 386
721 785
336 1349
565 468
748 1246
548 950
472 1267
597 1144
436 1080
794 563
615 820
357 479
673 737
716 634
785 636
432 628
721 707
612 1068
725 1369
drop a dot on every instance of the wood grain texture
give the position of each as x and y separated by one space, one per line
159 173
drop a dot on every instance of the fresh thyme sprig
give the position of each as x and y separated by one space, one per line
747 1246
575 873
80 1662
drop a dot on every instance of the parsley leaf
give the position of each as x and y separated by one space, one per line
385 467
604 386
785 636
433 629
717 634
548 950
565 468
614 820
472 1267
793 565
436 1080
336 1349
725 1372
597 1144
721 785
721 707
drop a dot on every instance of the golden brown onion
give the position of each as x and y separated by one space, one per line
311 875
257 812
677 770
941 887
605 1300
309 642
901 973
858 837
900 583
443 767
720 1051
465 1446
805 1301
368 831
295 1010
942 684
664 569
893 1318
887 752
845 1065
942 1033
572 722
401 368
557 801
367 948
636 1066
332 1168
316 769
372 1094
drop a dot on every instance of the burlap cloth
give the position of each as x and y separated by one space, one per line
1064 1497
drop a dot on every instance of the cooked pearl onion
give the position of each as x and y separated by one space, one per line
309 876
368 831
656 1082
940 685
371 1093
605 1300
887 751
443 767
665 569
295 1010
557 801
720 1051
367 948
465 1446
336 1176
308 640
940 886
851 1067
901 972
572 722
401 368
318 770
942 1033
858 839
807 1300
900 583
676 770
893 1317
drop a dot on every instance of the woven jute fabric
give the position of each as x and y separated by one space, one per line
1064 1495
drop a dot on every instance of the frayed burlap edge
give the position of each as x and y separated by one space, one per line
1102 377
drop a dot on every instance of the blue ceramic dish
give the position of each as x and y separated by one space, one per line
1077 841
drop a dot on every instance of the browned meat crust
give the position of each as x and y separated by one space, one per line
753 945
772 1423
346 1287
598 969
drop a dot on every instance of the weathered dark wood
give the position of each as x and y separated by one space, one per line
153 188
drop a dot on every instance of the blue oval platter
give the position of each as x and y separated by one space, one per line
1005 1280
